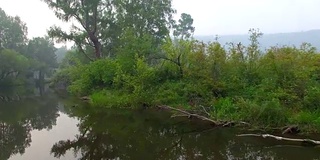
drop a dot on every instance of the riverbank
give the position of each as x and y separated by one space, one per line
268 89
132 134
262 119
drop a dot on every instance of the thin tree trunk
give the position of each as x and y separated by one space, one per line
97 45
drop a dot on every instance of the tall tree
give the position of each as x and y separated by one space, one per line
13 32
42 51
102 22
184 28
153 17
87 14
13 38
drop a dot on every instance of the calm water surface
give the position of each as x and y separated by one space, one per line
40 125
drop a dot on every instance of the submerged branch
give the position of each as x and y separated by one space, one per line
184 113
180 115
191 115
307 141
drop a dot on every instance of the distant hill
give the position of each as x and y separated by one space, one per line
268 40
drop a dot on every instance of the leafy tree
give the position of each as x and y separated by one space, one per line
153 18
13 32
12 64
87 14
102 22
184 28
42 51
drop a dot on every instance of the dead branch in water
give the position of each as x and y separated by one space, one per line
191 115
184 113
307 141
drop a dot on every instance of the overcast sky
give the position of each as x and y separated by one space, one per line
211 17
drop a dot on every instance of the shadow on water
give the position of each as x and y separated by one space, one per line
23 109
151 134
122 133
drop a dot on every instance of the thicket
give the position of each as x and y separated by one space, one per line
270 88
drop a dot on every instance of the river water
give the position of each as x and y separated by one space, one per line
42 125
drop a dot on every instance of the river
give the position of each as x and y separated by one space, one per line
37 124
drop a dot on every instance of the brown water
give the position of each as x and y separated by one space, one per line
40 125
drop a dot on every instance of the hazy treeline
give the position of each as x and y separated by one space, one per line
23 59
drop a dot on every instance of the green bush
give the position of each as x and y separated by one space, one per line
241 83
94 76
311 100
110 98
268 113
225 109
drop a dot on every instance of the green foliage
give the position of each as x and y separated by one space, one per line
312 97
94 76
173 93
239 84
13 32
184 29
20 57
111 98
310 121
12 66
225 109
42 52
269 113
103 22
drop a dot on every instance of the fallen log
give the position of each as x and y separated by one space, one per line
191 115
306 141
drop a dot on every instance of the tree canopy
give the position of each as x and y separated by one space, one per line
19 56
13 32
100 23
184 28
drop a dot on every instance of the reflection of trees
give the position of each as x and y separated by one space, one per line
14 138
18 118
124 134
45 115
102 138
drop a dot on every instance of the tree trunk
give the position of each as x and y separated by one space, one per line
41 77
97 45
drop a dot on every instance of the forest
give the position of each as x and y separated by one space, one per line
23 60
131 54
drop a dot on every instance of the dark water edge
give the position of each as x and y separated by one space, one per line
41 124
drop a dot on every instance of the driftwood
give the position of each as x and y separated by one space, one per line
185 113
291 130
85 98
306 141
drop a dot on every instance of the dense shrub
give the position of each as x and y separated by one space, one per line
242 83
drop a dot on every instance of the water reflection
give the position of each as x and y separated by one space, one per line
14 138
120 133
124 134
22 111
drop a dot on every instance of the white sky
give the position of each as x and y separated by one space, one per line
211 17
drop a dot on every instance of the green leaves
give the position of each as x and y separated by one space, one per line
103 22
42 50
13 32
12 64
184 28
